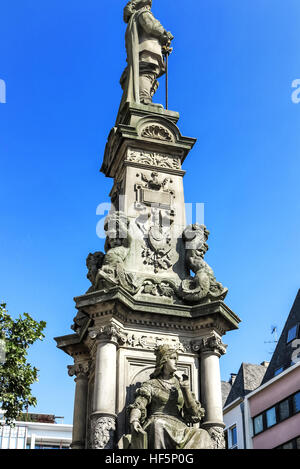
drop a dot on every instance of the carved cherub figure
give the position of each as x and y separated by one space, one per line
203 286
117 245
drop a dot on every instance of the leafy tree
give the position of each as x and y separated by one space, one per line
16 374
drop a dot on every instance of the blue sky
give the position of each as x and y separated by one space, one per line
231 77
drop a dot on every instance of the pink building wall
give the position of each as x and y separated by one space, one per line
277 391
280 433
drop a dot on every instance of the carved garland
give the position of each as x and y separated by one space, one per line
153 159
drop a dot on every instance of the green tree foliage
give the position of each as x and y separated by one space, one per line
16 374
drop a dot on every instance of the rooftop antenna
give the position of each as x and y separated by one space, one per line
274 330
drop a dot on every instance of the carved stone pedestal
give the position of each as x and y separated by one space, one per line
142 294
120 343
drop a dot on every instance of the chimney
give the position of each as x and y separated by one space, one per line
265 364
232 378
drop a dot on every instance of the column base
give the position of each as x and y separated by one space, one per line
102 431
216 432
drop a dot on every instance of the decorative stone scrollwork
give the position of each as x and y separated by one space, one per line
151 342
159 287
102 432
157 132
153 159
213 344
217 436
109 333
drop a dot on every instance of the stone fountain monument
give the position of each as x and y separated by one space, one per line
142 295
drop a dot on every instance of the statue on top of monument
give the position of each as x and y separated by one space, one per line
146 42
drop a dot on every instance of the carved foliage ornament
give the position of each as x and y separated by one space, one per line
102 431
153 159
110 333
78 369
217 436
214 344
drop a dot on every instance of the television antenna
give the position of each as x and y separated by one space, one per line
274 331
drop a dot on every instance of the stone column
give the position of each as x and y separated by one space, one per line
211 393
80 404
103 417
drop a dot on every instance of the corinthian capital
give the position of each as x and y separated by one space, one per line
213 344
109 333
79 370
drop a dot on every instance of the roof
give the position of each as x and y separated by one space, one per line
282 355
226 388
248 378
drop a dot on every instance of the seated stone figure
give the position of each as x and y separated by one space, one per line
164 406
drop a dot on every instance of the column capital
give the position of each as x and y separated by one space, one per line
80 370
109 333
212 344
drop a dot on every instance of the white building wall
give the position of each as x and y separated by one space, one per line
233 417
30 434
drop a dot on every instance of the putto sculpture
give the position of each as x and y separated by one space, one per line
146 42
107 271
164 406
203 286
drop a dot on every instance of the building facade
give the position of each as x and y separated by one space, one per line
268 416
35 433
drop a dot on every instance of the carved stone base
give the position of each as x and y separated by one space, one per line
217 435
102 432
131 330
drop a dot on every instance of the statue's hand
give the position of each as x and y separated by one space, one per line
184 383
136 427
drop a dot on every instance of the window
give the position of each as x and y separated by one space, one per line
292 444
292 333
258 424
288 445
296 403
276 414
278 371
233 437
284 410
271 417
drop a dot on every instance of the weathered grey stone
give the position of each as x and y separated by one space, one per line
164 406
203 287
146 40
141 297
